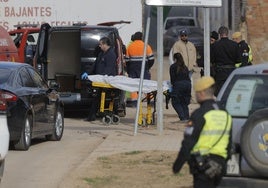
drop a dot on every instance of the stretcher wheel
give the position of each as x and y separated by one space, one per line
107 120
116 119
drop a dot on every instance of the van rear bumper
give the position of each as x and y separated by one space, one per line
69 98
237 182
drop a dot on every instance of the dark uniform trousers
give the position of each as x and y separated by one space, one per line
222 73
201 180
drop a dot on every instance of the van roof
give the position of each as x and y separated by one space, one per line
253 69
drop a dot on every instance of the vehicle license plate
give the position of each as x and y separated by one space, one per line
233 165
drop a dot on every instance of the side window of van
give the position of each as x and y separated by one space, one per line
246 94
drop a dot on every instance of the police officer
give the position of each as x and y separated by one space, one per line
224 55
207 138
244 49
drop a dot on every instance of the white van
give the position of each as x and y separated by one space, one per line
245 97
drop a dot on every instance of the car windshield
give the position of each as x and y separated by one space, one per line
246 94
179 21
4 75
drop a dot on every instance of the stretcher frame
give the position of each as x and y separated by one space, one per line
107 114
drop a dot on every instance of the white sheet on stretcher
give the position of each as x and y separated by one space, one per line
128 84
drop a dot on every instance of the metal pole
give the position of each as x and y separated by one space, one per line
159 104
142 70
206 42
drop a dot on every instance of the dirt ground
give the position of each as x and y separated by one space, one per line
136 169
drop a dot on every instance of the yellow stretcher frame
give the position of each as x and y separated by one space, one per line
108 113
109 117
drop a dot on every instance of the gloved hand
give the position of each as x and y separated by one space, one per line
84 76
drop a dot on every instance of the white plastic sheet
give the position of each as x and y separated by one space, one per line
128 84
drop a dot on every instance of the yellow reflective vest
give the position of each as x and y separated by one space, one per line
214 137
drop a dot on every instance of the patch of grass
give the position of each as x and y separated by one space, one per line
100 181
133 152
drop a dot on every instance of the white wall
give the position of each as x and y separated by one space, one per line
67 12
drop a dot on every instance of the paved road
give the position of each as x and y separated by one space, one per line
46 163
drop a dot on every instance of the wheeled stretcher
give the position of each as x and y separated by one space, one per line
108 96
110 89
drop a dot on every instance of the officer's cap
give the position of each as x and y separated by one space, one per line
236 35
203 83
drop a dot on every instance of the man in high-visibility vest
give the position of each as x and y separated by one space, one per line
134 57
244 48
207 138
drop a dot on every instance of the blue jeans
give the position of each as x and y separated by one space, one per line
180 98
181 107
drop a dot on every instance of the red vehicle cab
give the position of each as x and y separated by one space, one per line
25 39
8 50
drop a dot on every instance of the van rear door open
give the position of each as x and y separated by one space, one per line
65 52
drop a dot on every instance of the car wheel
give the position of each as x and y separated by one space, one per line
26 135
2 166
58 127
254 141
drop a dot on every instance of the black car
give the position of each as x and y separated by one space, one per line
195 35
33 108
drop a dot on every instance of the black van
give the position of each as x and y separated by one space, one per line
65 52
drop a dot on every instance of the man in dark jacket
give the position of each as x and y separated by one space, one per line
224 55
105 64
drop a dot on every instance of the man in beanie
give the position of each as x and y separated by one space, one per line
134 57
214 37
207 138
186 49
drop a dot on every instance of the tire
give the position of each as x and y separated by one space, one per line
26 135
254 142
58 127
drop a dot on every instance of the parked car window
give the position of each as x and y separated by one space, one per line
38 81
248 94
24 79
179 22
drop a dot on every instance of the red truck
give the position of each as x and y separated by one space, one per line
25 38
8 50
